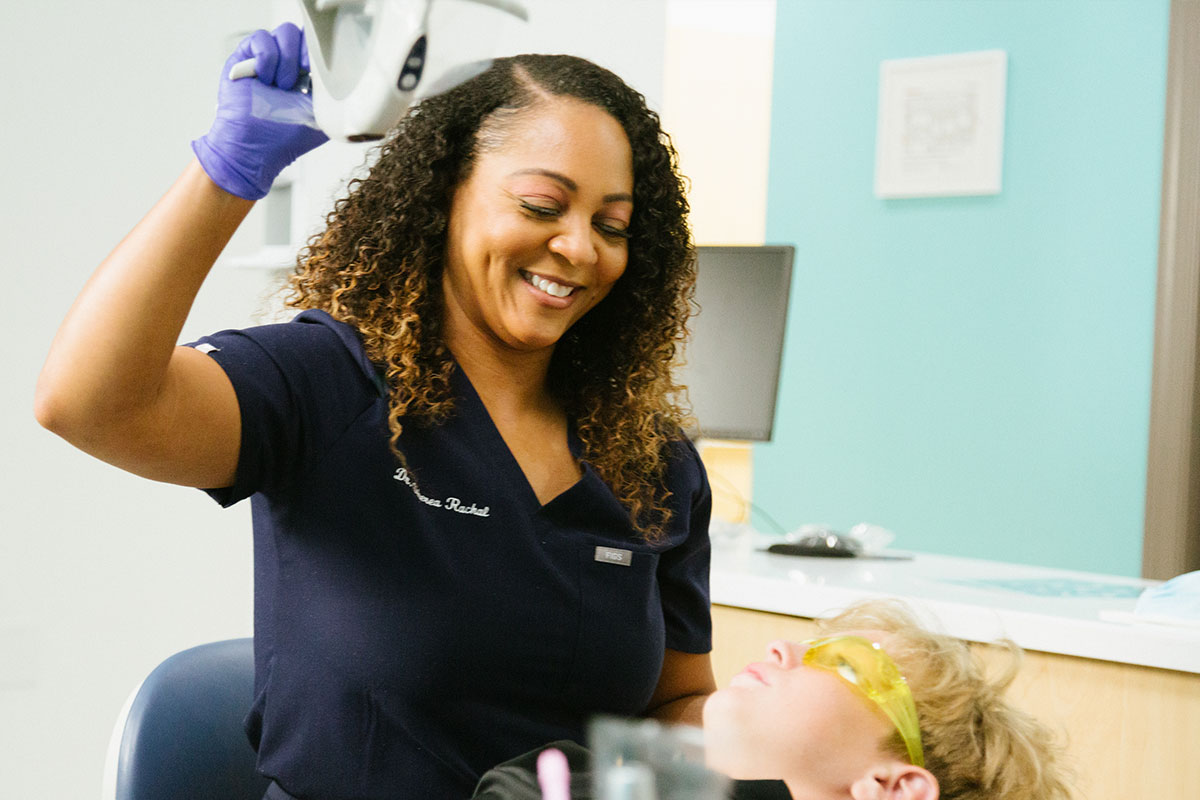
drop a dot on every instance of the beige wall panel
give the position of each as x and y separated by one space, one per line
719 59
717 107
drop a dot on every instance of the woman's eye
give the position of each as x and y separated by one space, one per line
610 230
536 210
547 212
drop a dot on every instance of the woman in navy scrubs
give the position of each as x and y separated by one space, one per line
476 520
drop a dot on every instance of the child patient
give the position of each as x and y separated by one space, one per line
880 708
877 708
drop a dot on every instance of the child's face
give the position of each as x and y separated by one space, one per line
779 718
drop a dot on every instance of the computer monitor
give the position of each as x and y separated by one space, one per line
733 358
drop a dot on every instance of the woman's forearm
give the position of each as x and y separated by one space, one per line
683 711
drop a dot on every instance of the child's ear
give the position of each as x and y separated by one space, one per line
896 782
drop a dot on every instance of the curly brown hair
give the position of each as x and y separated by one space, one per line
977 744
378 267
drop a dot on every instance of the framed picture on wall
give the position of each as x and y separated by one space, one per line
941 125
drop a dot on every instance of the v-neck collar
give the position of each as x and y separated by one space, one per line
501 454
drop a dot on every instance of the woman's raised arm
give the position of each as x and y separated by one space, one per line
115 384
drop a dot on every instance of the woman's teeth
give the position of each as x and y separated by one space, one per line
546 285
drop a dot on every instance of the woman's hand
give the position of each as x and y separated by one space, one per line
264 121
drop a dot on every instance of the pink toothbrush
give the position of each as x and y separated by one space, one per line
553 775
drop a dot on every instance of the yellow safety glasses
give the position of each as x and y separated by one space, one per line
865 666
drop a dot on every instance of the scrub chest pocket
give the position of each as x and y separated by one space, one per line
619 612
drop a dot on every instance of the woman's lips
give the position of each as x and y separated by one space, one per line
551 286
548 292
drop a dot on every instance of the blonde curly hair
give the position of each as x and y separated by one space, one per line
977 745
378 267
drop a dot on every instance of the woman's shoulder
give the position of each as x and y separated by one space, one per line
686 474
311 327
312 341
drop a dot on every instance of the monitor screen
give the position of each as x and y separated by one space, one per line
732 361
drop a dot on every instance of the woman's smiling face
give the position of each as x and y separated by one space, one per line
538 231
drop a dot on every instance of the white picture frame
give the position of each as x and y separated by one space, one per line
941 125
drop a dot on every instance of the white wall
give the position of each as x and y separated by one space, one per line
102 574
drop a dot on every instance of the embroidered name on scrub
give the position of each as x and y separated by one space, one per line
449 504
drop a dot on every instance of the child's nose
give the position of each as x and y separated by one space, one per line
784 654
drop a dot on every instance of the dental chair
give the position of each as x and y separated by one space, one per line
180 734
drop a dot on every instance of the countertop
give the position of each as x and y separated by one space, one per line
1040 608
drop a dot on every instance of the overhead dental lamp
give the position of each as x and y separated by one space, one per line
369 59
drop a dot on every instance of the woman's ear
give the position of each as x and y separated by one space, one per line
896 781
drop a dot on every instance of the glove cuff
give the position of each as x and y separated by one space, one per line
249 184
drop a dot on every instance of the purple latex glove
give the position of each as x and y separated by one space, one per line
263 123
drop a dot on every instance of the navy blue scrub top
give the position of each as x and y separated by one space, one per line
415 627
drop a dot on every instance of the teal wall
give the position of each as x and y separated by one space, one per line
973 373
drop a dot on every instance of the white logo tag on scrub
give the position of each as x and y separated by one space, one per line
614 555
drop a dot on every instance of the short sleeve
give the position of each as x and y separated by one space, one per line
299 386
683 570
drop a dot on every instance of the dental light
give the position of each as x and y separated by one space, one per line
368 61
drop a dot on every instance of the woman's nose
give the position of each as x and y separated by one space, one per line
575 243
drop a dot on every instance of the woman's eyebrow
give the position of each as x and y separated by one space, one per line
570 184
